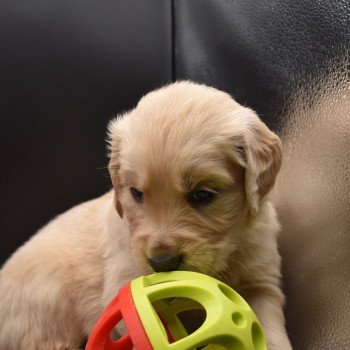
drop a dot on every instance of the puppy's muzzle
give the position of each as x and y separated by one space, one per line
167 262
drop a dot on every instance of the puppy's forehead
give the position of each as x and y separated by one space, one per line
181 135
181 170
182 113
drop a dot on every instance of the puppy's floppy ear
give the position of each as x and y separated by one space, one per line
260 152
114 142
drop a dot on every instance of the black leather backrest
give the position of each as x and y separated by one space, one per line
66 68
261 52
289 60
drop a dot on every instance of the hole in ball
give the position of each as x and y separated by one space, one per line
258 337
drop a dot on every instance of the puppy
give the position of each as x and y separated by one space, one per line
192 171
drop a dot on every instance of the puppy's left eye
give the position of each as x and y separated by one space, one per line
137 194
202 196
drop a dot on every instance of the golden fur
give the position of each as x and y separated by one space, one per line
178 139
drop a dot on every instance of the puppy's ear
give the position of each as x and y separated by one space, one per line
114 142
260 152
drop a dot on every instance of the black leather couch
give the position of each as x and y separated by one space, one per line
66 67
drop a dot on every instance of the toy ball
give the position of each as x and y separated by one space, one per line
150 307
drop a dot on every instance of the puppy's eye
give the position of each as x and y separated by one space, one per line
202 196
137 195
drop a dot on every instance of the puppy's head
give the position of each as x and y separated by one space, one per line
190 168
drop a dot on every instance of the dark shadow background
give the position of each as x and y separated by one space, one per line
66 68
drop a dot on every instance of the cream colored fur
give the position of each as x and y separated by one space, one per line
178 139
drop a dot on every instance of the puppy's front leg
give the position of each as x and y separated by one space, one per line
267 302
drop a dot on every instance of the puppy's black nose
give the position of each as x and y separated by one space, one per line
163 263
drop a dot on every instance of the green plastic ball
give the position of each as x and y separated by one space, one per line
229 322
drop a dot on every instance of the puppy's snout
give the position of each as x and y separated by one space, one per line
163 263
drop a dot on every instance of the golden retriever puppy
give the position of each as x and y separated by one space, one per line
192 171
